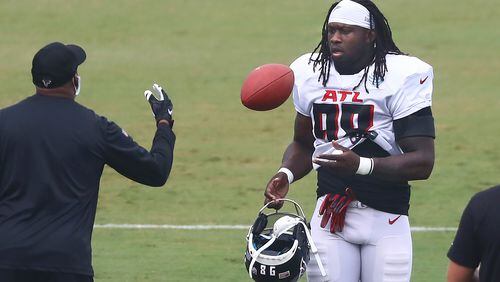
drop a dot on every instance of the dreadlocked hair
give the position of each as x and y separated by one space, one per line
384 44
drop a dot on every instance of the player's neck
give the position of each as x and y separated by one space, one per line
354 67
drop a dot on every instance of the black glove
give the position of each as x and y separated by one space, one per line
162 107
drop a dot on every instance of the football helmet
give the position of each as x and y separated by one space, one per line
278 245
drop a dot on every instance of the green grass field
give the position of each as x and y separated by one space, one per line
201 51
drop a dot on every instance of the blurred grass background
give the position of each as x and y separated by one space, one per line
201 51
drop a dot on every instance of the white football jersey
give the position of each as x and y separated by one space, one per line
337 110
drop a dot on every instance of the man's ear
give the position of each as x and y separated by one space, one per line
371 36
75 80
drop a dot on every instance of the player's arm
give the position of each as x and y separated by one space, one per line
297 156
297 159
414 135
415 163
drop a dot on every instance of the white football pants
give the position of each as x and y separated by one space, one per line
374 246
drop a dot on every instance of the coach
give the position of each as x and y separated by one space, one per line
52 154
477 242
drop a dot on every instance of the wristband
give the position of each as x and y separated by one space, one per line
288 173
365 166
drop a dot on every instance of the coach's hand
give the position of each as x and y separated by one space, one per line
345 164
161 105
277 188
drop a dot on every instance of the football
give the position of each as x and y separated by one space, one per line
267 87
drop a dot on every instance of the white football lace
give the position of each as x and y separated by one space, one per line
314 250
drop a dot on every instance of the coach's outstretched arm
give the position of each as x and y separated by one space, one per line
133 161
296 159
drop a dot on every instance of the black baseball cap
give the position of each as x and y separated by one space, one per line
56 64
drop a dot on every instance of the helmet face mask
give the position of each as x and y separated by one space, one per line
277 246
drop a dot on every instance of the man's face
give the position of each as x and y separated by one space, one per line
349 43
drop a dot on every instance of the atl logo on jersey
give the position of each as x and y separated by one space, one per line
342 96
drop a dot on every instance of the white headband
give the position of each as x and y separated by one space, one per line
352 13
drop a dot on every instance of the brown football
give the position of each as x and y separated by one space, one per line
267 87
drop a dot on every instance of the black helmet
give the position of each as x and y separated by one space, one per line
278 245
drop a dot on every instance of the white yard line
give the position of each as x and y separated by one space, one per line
170 226
433 229
236 227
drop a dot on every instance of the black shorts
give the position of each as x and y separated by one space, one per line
20 275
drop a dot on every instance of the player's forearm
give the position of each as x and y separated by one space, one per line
406 167
297 158
415 163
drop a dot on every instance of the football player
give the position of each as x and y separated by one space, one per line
364 123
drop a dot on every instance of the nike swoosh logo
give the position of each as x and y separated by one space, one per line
170 111
391 222
423 80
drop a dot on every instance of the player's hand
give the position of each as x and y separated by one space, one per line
277 188
160 104
345 164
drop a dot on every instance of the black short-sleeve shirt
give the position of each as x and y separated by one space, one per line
478 237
